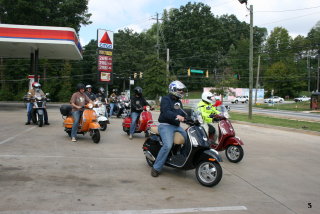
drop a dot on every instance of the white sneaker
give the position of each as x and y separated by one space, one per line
130 136
74 139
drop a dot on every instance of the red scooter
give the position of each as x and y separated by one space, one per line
227 139
144 122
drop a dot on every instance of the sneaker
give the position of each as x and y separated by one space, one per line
47 123
74 139
28 123
130 136
154 173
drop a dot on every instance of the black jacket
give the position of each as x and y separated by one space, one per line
137 104
170 107
91 95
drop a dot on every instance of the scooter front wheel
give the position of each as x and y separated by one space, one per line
40 120
209 173
234 153
96 135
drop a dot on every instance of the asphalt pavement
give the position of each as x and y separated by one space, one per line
42 171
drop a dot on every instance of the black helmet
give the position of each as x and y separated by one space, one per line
80 86
138 90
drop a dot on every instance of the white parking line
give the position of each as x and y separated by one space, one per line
162 211
13 137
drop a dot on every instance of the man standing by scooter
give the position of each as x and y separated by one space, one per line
102 97
137 103
78 100
112 100
171 114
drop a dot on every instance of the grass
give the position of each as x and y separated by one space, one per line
194 95
297 124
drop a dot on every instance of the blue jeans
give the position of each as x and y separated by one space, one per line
134 117
166 133
76 118
111 109
29 110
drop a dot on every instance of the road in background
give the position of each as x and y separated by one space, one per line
276 112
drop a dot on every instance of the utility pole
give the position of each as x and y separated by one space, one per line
257 80
168 60
158 35
251 62
318 79
308 67
250 57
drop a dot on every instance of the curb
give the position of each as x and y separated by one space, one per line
277 127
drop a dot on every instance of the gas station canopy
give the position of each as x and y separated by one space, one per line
18 41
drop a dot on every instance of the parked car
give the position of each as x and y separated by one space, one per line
301 99
274 99
242 99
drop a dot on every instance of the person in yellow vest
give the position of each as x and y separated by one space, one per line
207 113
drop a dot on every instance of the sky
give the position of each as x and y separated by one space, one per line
297 16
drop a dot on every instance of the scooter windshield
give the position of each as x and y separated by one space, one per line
198 136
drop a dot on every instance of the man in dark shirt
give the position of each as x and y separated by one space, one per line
89 93
137 103
171 114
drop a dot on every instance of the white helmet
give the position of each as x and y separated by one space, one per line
207 97
177 88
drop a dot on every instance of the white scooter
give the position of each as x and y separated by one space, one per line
100 110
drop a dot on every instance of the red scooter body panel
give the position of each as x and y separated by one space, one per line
126 122
143 123
145 116
226 136
226 129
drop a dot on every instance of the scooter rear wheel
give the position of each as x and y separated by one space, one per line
103 125
209 173
234 153
149 162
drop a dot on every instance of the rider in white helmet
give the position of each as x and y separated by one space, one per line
207 112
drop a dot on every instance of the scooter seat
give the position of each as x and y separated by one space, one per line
178 138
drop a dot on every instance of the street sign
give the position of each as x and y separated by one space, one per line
197 71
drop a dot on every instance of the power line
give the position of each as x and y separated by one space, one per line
280 11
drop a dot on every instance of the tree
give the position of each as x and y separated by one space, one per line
278 46
155 82
63 13
284 79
